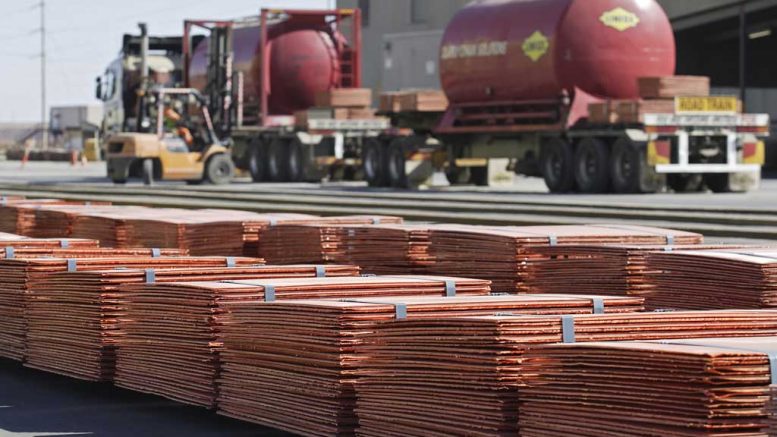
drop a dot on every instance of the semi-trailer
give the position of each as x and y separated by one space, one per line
519 77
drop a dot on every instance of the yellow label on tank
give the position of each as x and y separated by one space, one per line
535 46
620 19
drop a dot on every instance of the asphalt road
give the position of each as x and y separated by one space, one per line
35 403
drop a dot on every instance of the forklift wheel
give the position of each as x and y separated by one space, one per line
219 170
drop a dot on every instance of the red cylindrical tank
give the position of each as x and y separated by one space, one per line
518 50
303 61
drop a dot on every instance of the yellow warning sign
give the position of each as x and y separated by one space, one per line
620 19
536 45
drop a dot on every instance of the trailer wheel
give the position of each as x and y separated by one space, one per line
685 183
396 164
296 162
257 161
276 160
219 170
718 182
625 166
148 171
479 176
557 165
592 166
373 163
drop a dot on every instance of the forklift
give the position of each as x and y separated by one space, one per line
182 146
173 135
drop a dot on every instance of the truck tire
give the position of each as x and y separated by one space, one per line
148 172
685 183
374 162
257 161
557 165
625 167
296 162
219 170
277 160
396 164
717 182
592 166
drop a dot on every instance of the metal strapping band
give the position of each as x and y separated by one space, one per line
376 220
669 237
670 240
273 221
568 329
553 240
668 249
64 244
3 200
150 276
72 265
598 305
230 261
156 253
320 272
400 309
269 293
10 253
770 354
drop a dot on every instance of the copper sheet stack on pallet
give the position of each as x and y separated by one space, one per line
462 376
71 315
712 279
291 364
111 225
614 270
18 216
710 387
274 246
504 254
379 249
12 301
16 274
184 320
56 221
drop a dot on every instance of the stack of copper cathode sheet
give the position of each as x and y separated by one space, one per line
378 249
18 216
72 315
711 279
12 299
463 376
56 221
170 345
312 240
111 225
291 364
710 387
609 269
503 254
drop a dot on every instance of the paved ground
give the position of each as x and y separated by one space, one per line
34 403
524 188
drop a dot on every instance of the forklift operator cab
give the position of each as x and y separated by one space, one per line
183 148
